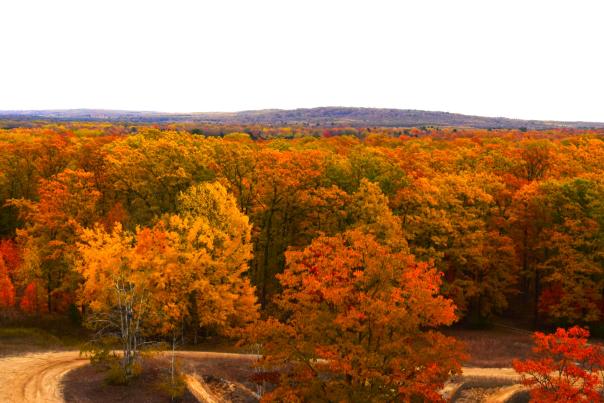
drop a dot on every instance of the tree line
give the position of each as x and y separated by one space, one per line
508 218
367 240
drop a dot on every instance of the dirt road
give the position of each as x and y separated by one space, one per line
37 377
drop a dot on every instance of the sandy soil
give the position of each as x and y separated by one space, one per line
506 373
87 384
37 377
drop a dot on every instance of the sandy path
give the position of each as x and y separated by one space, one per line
200 390
507 373
37 377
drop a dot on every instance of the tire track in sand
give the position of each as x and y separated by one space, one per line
36 377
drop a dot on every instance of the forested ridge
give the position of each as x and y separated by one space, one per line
299 227
321 116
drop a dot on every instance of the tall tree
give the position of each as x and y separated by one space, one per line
189 266
359 324
53 224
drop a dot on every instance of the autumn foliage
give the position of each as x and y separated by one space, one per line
359 324
358 242
513 219
7 290
567 368
187 268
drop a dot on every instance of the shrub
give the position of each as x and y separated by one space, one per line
174 387
567 367
119 375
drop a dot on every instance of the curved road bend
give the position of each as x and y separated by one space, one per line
37 377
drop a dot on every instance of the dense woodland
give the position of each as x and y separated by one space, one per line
212 227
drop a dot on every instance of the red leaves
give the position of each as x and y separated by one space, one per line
11 255
30 302
359 311
7 290
10 259
567 367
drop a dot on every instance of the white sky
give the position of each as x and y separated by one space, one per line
523 59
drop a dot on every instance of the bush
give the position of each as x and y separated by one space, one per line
101 351
116 375
173 388
567 367
119 375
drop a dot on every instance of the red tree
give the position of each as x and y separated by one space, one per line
7 291
567 369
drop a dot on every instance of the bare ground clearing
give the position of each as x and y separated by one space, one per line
38 377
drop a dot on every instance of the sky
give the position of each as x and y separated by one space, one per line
521 59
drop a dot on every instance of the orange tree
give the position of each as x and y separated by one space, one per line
567 369
358 324
67 203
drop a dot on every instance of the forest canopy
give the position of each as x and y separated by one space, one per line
513 219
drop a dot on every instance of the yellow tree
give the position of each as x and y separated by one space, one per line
117 286
149 170
235 162
188 266
372 215
215 238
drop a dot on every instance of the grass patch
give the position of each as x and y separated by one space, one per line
29 336
33 334
19 340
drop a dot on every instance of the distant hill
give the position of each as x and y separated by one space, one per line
323 116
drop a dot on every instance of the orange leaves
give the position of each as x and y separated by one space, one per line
567 367
117 214
558 226
67 203
354 307
186 266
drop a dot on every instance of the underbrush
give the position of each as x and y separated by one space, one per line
173 387
105 358
28 336
59 327
23 334
20 340
116 374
